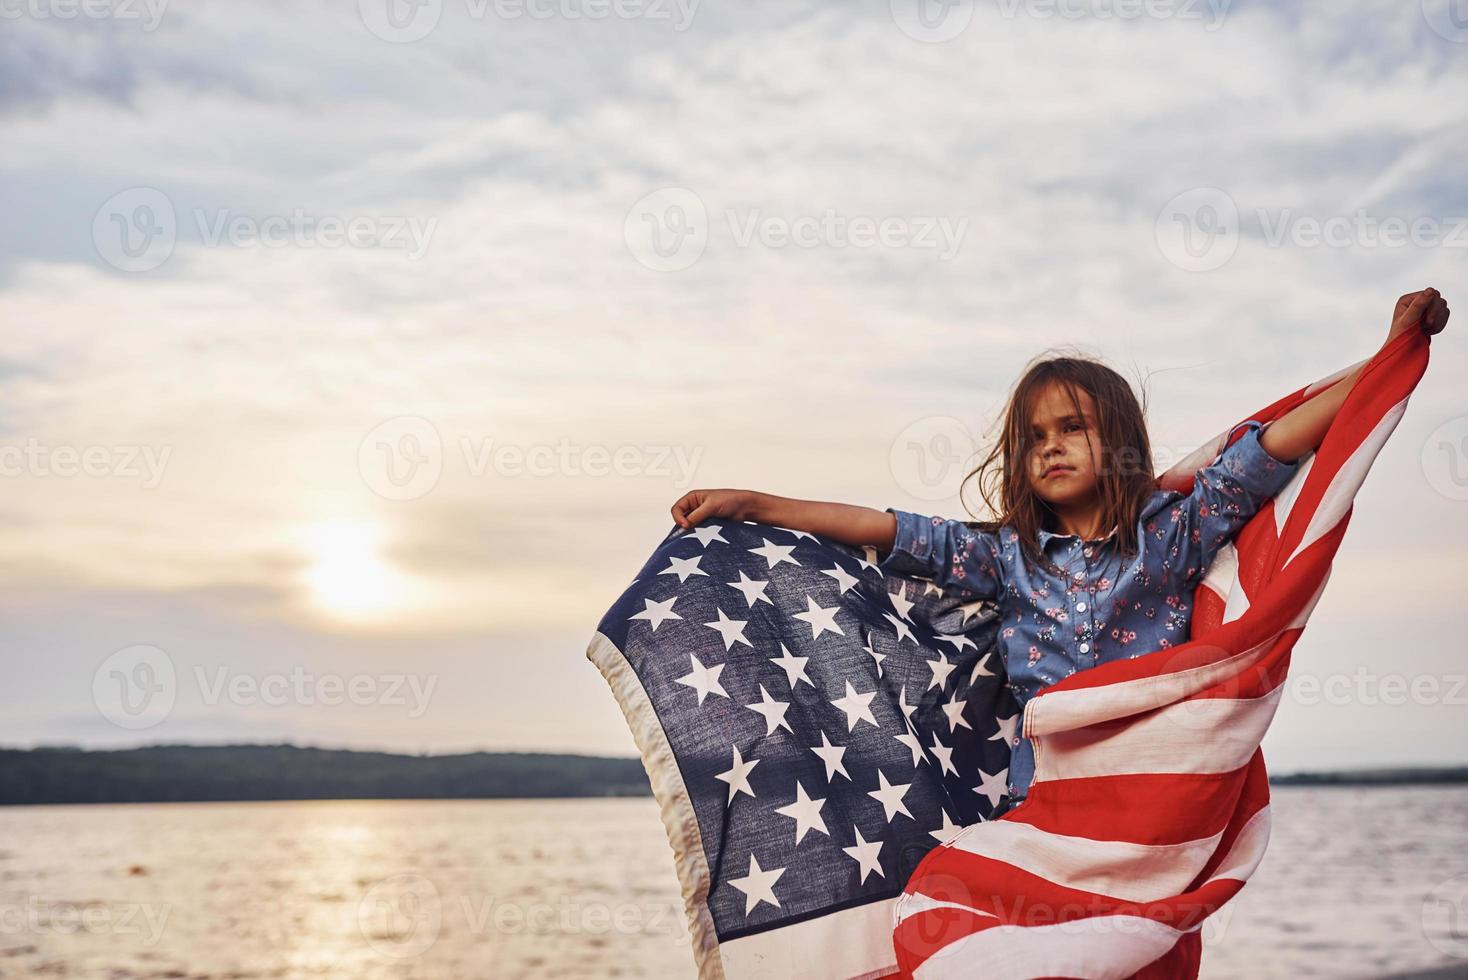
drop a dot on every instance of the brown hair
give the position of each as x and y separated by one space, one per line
1125 479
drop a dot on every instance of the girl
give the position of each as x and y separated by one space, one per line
1089 561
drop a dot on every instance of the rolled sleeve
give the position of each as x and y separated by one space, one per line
1226 495
951 553
1248 463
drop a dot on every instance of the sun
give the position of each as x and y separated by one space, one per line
347 576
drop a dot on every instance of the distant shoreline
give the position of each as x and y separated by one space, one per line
272 773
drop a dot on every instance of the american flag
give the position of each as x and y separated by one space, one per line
812 727
827 743
1150 803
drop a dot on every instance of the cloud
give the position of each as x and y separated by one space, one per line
527 321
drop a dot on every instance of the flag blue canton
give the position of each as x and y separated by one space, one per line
831 723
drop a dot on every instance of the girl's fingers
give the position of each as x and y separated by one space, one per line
1421 304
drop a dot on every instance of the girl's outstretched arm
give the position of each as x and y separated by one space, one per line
847 523
1299 431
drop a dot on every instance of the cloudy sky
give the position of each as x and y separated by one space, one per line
373 342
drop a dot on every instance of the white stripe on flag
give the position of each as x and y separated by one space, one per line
836 946
1102 947
1059 711
1200 735
1247 850
1119 869
1347 480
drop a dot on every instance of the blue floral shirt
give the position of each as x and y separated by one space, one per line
1105 607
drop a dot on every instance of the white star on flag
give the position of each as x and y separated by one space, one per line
953 710
707 533
737 776
758 886
683 567
958 640
831 756
753 589
704 680
1006 729
732 630
944 755
773 712
972 610
806 813
948 831
865 852
909 738
844 579
901 603
775 553
980 670
857 707
890 796
907 709
878 657
656 612
993 786
793 666
903 633
941 669
820 620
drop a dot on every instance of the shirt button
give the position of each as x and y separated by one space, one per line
1080 607
1085 647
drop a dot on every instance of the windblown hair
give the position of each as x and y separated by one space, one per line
1124 481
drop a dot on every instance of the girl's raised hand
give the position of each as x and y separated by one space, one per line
1425 310
697 505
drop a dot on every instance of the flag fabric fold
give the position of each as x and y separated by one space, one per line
827 744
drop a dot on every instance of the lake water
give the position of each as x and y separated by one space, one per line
1356 883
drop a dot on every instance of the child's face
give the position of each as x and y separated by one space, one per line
1059 438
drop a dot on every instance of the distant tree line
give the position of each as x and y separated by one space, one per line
196 773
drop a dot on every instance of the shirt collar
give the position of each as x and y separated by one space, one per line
1046 536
